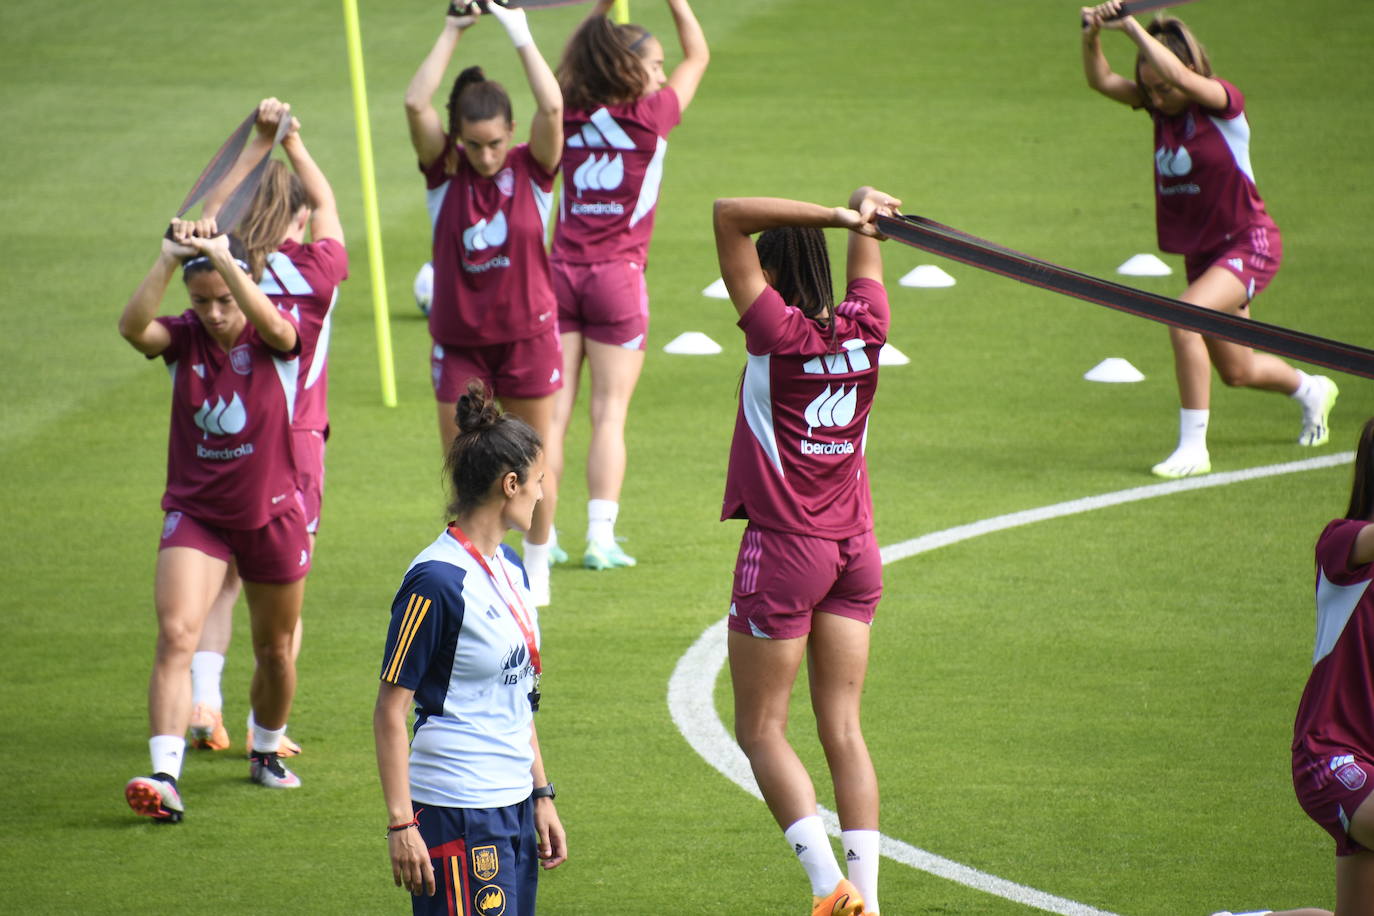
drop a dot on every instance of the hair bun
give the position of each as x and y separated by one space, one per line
476 410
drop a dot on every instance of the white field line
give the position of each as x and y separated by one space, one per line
691 688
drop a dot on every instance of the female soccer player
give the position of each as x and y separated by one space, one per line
302 278
1208 209
808 577
1333 735
471 811
493 316
619 110
231 494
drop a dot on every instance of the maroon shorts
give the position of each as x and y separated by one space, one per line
275 554
1254 259
307 449
530 368
607 302
1331 784
781 579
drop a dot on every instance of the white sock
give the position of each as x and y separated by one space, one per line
1192 429
601 515
861 860
808 840
264 740
167 752
206 668
536 556
1306 388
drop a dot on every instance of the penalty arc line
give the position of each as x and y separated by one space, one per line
691 688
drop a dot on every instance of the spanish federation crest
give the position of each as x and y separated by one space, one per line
241 358
484 863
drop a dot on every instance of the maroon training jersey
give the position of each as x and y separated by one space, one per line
229 449
491 272
304 280
612 168
1337 708
797 457
1205 194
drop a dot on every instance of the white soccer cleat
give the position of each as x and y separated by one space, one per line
1183 463
1316 428
266 770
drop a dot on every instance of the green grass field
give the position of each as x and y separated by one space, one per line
1097 707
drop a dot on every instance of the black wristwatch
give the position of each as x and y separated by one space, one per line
543 791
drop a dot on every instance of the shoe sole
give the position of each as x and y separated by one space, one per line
146 802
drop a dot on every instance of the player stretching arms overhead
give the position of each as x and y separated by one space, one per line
493 316
303 278
471 811
1333 735
1208 209
808 577
619 109
231 494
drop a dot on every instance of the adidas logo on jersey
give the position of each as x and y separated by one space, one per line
484 234
1173 163
600 172
222 419
853 359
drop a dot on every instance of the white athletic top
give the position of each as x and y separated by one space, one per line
454 642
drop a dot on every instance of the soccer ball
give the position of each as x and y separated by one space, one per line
424 287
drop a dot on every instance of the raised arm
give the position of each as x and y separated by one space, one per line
864 259
546 128
410 863
1099 73
695 53
737 218
553 842
272 327
1203 90
136 324
426 128
324 209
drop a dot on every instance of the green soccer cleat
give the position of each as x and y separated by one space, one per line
1183 464
605 557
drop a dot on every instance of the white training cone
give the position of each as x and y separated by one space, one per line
1114 369
1144 265
891 356
927 276
692 343
716 290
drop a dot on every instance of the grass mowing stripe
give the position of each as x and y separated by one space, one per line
691 687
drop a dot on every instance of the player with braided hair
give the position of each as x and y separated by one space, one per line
493 315
620 108
808 577
1208 209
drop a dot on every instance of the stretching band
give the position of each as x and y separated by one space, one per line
928 235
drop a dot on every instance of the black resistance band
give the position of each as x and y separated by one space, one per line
219 167
928 235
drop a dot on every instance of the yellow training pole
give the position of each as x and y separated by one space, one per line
370 213
621 11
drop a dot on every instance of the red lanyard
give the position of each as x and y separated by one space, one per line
521 616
